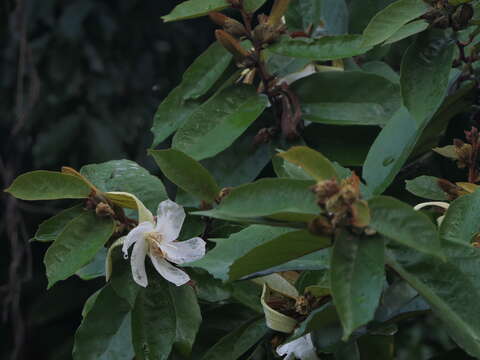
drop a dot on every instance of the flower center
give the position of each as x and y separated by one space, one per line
154 240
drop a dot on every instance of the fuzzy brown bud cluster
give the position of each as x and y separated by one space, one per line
445 15
267 31
342 203
231 26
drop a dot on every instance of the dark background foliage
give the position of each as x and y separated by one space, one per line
80 81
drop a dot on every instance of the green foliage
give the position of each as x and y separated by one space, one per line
263 141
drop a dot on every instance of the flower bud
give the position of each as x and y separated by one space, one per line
232 45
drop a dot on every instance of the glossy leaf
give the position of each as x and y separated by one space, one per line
278 199
192 9
425 72
48 185
95 268
357 276
51 228
408 30
218 122
104 333
426 187
219 260
461 222
322 49
164 316
448 286
279 250
311 161
324 319
398 221
361 12
353 98
127 176
238 342
76 246
391 19
187 173
197 80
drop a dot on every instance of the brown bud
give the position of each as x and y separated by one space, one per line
326 189
266 33
218 18
104 210
320 226
234 27
232 45
453 191
462 16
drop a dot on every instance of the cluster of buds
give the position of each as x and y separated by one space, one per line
447 14
342 204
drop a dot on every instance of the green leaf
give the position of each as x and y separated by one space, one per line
278 199
253 5
353 98
219 260
425 72
193 8
164 316
398 221
408 30
380 347
311 161
197 80
186 173
238 342
218 122
325 319
426 187
51 228
279 250
391 19
357 276
461 222
127 176
48 185
321 49
76 246
104 333
451 287
95 268
382 69
361 12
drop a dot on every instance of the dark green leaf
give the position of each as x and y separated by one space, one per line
398 221
322 49
51 228
356 278
382 69
218 122
424 74
353 98
452 287
391 19
311 161
408 30
461 222
279 199
380 347
127 176
361 12
219 260
279 250
426 187
95 268
238 342
324 319
164 316
48 185
197 80
187 173
76 245
104 333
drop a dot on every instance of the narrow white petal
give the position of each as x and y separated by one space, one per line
441 204
135 235
170 217
301 348
138 262
180 252
169 272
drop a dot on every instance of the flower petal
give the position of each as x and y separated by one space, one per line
441 204
170 217
301 348
138 262
180 252
168 271
135 235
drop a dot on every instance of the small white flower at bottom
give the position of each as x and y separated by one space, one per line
158 242
301 348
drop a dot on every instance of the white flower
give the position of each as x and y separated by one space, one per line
157 240
441 204
301 348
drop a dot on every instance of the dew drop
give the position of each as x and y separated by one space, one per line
388 161
125 256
